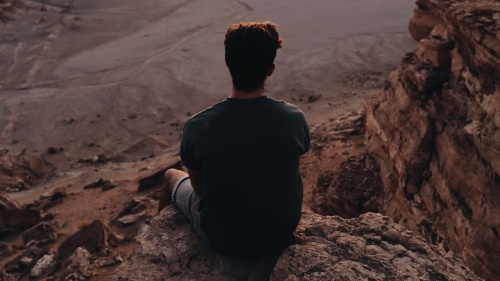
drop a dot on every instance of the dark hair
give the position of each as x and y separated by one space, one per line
250 51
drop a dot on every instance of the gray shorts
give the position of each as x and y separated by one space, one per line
188 202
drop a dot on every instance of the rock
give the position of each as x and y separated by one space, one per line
7 277
81 258
6 249
48 200
95 237
435 132
19 171
13 217
104 184
42 234
422 23
131 218
79 265
328 248
355 189
170 250
370 247
313 98
44 264
108 261
135 210
25 260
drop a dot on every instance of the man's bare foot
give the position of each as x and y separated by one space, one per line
170 178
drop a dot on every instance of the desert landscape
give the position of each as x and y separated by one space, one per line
403 105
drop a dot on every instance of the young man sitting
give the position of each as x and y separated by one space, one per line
243 190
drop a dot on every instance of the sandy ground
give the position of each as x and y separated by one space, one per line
118 78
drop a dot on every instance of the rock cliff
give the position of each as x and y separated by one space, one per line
370 247
435 132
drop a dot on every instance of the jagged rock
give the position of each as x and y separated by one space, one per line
95 237
329 248
7 277
25 261
170 250
435 132
6 249
42 234
104 184
422 22
370 247
48 200
135 210
19 171
44 264
79 265
13 217
355 189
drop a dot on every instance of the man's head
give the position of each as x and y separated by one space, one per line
250 52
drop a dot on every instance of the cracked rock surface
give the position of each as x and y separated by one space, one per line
371 247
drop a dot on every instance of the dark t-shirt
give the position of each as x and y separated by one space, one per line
248 151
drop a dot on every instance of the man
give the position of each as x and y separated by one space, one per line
243 190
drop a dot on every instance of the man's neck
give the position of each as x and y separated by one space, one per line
239 94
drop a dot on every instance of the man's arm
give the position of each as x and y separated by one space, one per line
196 178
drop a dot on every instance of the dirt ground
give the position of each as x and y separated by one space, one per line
93 91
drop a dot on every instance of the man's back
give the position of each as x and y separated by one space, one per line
248 150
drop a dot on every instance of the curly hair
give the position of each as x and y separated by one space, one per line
250 52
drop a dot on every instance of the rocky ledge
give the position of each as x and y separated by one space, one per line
370 247
435 132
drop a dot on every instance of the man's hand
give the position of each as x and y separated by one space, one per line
196 178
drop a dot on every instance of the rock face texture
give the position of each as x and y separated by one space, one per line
170 250
435 132
370 247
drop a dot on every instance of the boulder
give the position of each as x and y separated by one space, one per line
328 248
19 171
95 237
370 247
170 250
13 217
356 188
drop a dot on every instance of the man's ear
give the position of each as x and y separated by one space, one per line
271 70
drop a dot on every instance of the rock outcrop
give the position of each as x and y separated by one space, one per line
18 171
370 247
435 132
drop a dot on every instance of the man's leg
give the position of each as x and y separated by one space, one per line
186 200
170 178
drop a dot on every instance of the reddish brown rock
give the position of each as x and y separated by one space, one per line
371 247
20 171
422 23
42 234
13 217
355 189
95 237
46 201
25 261
435 132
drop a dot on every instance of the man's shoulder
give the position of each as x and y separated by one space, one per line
203 115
